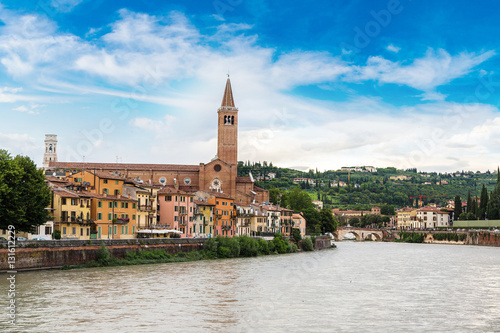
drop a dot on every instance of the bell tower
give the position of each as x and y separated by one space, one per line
227 139
50 154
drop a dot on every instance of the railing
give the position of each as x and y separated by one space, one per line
146 208
122 220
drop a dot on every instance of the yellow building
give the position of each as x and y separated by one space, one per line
98 182
72 213
204 219
405 217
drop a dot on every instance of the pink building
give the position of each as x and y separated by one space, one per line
176 210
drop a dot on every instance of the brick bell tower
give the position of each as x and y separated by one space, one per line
227 139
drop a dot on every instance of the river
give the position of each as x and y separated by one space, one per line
358 287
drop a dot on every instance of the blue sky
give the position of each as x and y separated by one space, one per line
411 84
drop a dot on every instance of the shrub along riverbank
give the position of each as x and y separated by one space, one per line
218 247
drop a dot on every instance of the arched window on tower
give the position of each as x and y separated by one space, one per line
232 120
225 120
50 148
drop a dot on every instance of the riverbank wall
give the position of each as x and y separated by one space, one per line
31 255
481 238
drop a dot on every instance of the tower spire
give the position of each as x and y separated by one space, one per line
228 100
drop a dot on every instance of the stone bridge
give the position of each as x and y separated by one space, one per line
360 233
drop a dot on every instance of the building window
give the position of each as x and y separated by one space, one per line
99 216
74 231
115 230
64 230
168 198
63 201
105 191
105 181
116 182
88 231
99 204
81 231
133 217
110 204
117 192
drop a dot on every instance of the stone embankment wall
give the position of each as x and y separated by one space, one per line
53 254
322 242
485 238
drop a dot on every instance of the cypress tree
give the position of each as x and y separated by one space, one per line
458 208
469 203
483 205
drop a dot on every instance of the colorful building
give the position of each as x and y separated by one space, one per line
176 210
72 213
299 222
115 216
204 219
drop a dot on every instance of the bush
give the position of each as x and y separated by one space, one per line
307 244
292 248
103 255
249 247
231 244
56 234
211 245
272 247
280 245
263 246
296 235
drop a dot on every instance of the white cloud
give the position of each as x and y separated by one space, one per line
31 109
159 127
18 143
427 73
393 48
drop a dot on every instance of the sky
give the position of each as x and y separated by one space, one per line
319 85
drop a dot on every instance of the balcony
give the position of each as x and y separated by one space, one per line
182 222
122 220
146 208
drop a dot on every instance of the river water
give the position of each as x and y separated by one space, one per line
358 287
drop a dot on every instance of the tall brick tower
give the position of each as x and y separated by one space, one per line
227 140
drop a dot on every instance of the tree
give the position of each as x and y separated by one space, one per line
299 200
458 208
483 205
312 220
328 222
24 194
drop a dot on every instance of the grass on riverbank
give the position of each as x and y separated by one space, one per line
219 247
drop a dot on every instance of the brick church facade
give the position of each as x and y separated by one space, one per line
218 175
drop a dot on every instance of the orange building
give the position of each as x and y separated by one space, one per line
224 212
98 182
115 216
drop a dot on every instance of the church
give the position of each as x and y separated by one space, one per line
218 175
